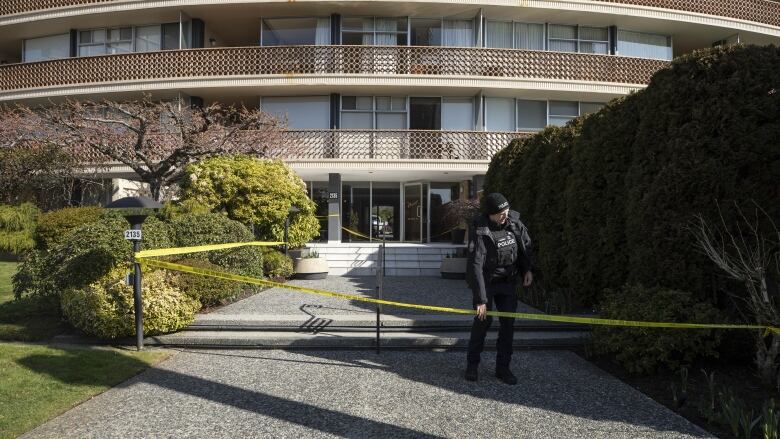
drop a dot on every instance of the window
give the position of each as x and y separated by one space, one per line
105 41
644 45
170 38
148 38
45 48
369 112
426 32
499 114
300 112
509 35
531 115
584 39
437 32
594 40
590 107
295 31
562 112
376 31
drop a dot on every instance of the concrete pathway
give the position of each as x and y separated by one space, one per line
358 394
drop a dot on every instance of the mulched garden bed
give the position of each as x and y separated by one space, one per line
737 376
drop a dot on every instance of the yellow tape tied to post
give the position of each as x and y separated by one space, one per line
143 257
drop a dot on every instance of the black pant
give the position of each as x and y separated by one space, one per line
504 295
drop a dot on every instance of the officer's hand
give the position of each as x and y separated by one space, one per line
528 279
481 311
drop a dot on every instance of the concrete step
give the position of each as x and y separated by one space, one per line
357 322
358 340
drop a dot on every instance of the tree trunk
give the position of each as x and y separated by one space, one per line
156 189
766 358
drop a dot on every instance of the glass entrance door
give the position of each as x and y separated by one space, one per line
413 212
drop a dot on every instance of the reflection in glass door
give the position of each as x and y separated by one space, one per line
413 212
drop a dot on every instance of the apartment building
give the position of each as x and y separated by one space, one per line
396 106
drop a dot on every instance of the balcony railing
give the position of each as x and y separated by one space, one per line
317 60
759 11
392 144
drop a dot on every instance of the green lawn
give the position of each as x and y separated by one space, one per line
38 382
29 319
7 269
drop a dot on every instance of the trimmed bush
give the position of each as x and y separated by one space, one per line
104 308
707 132
54 226
214 228
276 264
595 197
255 192
645 350
701 135
86 254
209 291
17 227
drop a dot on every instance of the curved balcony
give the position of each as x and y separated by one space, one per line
323 60
759 11
392 144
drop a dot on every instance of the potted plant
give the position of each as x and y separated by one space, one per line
457 215
453 266
311 266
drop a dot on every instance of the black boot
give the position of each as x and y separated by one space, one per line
471 371
505 375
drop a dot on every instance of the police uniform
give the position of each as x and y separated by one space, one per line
499 255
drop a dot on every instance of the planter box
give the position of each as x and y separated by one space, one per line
453 268
310 268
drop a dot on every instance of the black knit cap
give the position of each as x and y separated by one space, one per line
495 203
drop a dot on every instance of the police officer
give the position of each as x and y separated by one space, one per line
499 256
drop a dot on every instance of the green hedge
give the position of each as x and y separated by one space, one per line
609 198
276 264
644 350
54 226
104 308
209 291
86 254
214 228
17 227
708 132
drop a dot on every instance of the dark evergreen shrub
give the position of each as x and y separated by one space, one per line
595 197
645 350
708 132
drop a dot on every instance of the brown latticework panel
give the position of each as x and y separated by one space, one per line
8 7
760 11
392 144
315 60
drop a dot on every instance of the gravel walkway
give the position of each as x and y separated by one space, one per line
421 290
214 394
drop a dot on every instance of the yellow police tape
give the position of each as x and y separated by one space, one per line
201 248
143 257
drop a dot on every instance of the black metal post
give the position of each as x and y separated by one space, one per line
286 235
139 308
380 274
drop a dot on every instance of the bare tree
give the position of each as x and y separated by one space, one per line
157 139
748 252
32 167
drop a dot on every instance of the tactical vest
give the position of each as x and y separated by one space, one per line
506 247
